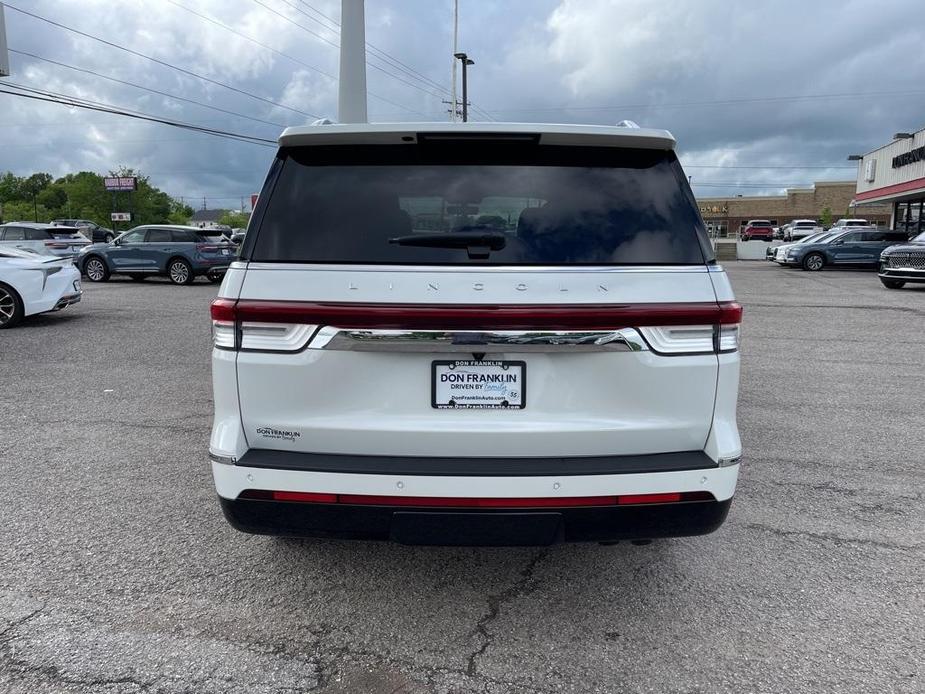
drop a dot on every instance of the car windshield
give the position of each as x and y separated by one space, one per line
484 205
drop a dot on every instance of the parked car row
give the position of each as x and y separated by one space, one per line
898 259
796 230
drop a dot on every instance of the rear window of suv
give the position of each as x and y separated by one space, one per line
478 205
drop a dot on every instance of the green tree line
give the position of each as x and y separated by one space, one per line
42 198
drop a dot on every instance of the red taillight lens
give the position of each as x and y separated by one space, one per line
476 502
56 244
223 310
486 317
207 248
692 328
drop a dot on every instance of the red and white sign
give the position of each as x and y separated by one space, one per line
254 197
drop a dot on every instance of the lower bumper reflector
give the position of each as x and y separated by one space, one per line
471 502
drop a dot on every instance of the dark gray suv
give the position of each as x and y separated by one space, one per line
177 252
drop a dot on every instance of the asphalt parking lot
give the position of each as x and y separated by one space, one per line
119 574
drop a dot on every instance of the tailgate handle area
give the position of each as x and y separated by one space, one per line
492 341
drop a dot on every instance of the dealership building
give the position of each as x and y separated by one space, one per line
894 175
727 216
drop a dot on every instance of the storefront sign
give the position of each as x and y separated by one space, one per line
910 157
121 183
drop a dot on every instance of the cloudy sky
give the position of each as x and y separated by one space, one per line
762 95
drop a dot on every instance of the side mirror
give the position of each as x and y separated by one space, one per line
117 242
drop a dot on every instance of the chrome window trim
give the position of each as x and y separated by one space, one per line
469 341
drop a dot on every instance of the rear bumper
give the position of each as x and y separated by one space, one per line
452 524
474 527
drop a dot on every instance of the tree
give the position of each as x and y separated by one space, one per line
179 213
825 218
83 195
236 220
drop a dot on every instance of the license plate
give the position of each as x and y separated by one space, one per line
479 385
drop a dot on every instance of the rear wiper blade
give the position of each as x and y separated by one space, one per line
478 244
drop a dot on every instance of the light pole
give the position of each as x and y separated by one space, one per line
464 59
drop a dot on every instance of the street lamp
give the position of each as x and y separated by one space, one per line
855 157
903 136
464 59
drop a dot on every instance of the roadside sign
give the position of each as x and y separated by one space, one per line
121 216
254 197
121 183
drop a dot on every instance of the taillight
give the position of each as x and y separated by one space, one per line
287 326
207 248
716 337
56 244
229 331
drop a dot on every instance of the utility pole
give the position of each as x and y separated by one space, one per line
351 93
464 59
4 53
455 51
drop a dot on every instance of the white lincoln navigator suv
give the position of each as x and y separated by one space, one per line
479 333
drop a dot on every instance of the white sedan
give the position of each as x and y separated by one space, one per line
31 284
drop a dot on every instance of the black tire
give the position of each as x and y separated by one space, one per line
138 278
95 269
179 271
892 284
215 279
814 262
108 238
11 308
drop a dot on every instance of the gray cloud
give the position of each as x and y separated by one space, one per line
708 71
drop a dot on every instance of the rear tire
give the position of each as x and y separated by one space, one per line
215 279
11 308
180 271
108 238
893 284
814 262
95 269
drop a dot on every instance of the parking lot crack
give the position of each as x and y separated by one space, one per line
12 626
522 586
830 537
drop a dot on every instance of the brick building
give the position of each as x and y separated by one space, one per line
727 216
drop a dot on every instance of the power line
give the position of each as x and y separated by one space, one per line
717 102
275 51
386 57
377 52
78 102
331 43
161 62
426 89
147 89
